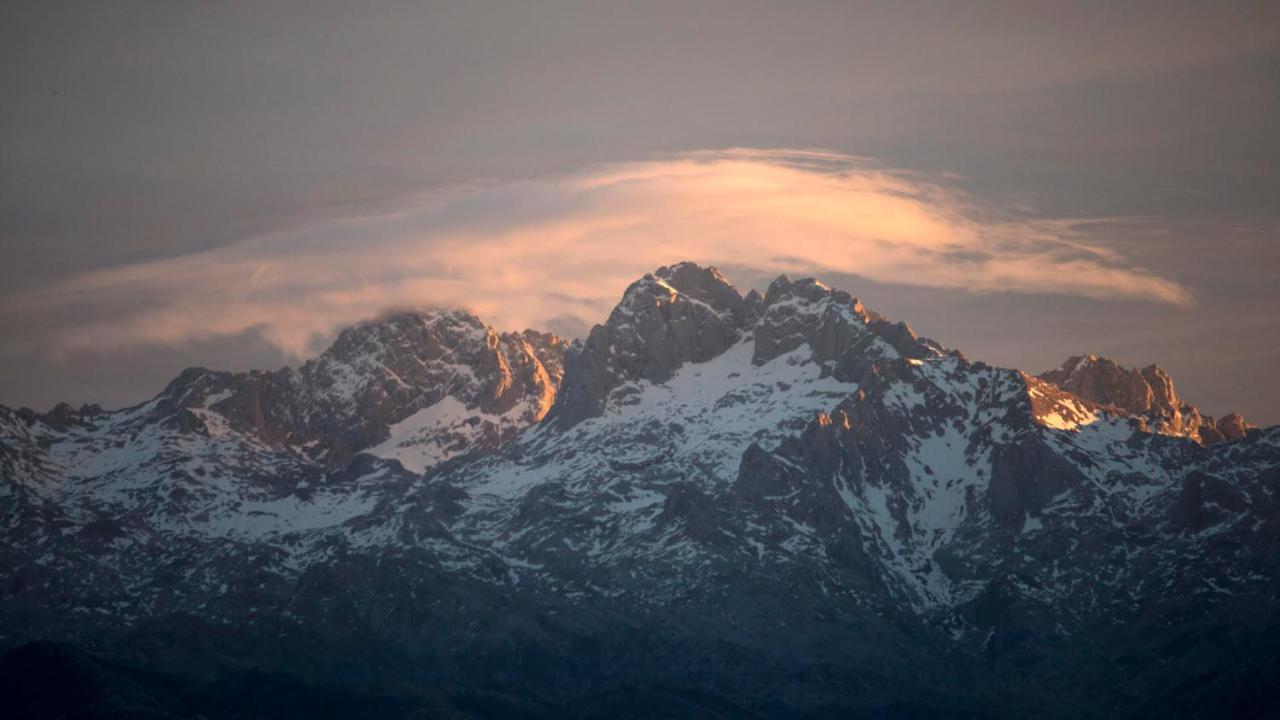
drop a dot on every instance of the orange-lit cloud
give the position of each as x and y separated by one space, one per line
522 254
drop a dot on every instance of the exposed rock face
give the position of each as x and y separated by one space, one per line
675 315
688 314
1232 427
842 333
380 373
1147 393
484 386
1103 381
802 507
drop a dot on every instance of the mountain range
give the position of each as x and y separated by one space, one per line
717 504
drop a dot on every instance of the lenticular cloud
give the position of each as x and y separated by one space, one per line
535 252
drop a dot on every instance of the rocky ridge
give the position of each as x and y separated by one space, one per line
1147 394
362 393
775 504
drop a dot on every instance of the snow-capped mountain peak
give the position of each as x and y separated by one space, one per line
768 479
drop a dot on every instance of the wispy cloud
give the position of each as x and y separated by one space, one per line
553 249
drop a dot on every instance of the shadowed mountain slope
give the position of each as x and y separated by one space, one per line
716 505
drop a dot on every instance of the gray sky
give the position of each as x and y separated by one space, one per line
138 134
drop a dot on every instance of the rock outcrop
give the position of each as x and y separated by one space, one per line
1147 394
770 505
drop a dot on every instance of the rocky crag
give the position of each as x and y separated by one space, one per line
716 505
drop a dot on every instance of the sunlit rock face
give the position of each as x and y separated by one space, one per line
1148 394
417 386
423 387
801 506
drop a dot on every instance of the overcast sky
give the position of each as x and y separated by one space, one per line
223 184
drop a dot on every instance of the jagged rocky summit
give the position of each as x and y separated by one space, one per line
716 504
1146 394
